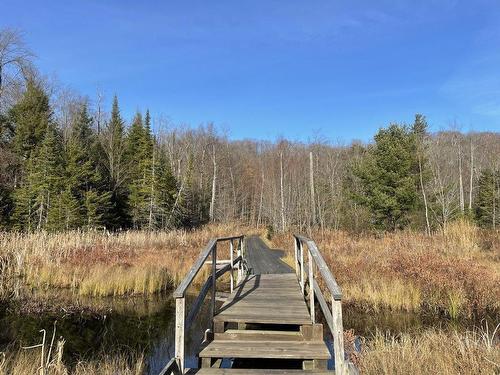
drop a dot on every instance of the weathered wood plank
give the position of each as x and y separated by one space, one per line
338 338
180 314
266 349
235 371
257 335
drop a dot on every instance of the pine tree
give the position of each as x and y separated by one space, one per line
115 150
160 190
44 181
84 179
488 199
30 118
387 176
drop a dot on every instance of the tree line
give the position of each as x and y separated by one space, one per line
66 163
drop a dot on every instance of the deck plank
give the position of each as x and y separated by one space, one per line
268 299
266 349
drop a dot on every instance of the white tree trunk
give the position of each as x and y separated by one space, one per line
428 226
283 222
311 181
214 182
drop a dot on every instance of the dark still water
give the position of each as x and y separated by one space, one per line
131 325
136 325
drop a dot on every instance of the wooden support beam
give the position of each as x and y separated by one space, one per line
180 315
311 288
231 250
338 338
214 279
302 282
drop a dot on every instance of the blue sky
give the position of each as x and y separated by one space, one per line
265 69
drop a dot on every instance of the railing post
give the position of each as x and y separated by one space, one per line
231 249
296 256
302 283
180 315
338 337
240 263
214 280
311 286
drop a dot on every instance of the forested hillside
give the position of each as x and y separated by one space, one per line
68 162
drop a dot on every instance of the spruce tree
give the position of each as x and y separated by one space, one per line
135 160
37 199
30 118
488 199
115 149
387 176
84 178
160 190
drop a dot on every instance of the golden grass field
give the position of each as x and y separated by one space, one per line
101 264
456 273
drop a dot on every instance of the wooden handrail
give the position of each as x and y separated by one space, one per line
330 281
172 368
181 323
180 292
333 317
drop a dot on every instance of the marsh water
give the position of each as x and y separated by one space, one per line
146 326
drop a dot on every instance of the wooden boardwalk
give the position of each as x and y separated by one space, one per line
267 324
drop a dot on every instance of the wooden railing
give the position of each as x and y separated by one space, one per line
333 317
184 321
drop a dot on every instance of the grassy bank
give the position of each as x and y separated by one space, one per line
102 264
456 273
431 352
29 362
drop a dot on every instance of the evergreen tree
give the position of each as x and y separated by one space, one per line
387 176
114 147
84 178
30 118
135 161
488 199
160 190
43 182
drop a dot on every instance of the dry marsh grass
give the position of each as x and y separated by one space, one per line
28 362
103 264
456 273
431 352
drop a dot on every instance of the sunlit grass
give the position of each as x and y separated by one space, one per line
384 294
102 264
24 362
454 273
431 352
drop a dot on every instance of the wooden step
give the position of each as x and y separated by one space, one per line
240 371
259 335
304 350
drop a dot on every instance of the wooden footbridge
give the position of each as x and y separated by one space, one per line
268 323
